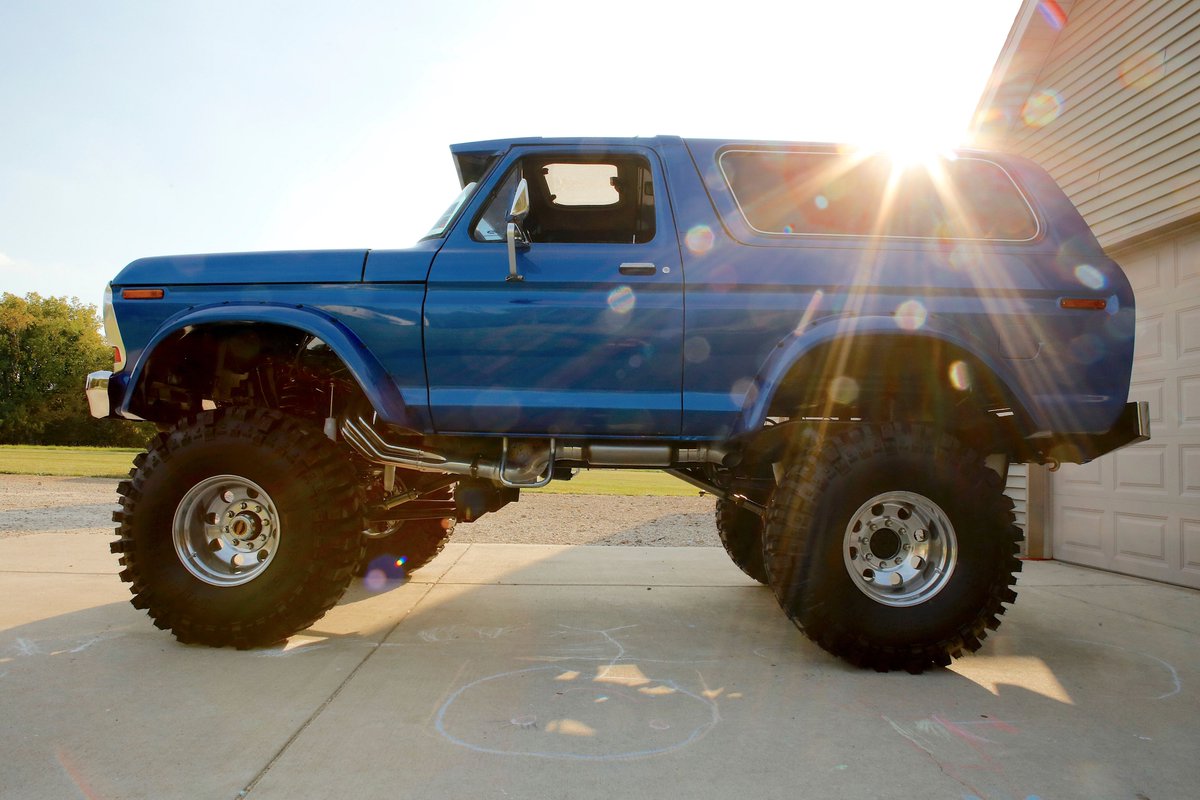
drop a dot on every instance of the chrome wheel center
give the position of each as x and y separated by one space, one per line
900 548
226 530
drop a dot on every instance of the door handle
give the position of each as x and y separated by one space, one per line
638 268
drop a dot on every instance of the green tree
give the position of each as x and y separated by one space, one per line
47 346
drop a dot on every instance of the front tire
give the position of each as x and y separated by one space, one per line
892 547
239 527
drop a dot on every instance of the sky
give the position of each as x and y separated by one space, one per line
149 128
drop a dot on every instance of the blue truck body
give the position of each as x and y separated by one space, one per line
440 343
846 351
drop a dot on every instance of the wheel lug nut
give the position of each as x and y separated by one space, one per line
244 506
258 508
897 562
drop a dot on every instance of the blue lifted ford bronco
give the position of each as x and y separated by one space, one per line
847 352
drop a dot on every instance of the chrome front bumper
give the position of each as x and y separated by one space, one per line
96 389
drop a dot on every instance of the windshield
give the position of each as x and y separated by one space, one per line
439 227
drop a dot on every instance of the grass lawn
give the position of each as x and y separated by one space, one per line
91 462
114 462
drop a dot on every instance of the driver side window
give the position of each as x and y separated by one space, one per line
576 199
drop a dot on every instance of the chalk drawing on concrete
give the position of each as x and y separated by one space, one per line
584 711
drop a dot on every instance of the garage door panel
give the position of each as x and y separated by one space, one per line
1144 271
1189 471
1189 402
1082 528
1190 541
1085 479
1188 259
1142 470
1187 325
1141 537
1148 339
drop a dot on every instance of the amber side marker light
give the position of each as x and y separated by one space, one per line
1088 303
142 294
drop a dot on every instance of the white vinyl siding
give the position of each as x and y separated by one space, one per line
1016 487
1124 143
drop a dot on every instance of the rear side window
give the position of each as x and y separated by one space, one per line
833 194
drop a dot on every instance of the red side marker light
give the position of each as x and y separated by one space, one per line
1087 303
141 294
116 355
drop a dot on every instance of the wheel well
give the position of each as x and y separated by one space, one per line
247 364
899 379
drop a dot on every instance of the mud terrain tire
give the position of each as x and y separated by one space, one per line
414 544
239 527
741 533
893 547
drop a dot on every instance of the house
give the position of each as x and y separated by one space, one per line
1105 94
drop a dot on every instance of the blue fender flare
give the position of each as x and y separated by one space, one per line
795 347
371 377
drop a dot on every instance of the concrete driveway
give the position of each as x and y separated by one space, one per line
537 671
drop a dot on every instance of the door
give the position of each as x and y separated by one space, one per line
588 340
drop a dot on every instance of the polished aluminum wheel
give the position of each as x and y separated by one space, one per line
226 530
900 548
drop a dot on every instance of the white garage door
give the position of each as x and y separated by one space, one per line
1137 511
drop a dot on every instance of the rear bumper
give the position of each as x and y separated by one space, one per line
1131 427
96 389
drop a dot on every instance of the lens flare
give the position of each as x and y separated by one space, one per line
960 376
1042 108
385 572
743 392
1053 14
821 202
622 300
699 239
1143 70
1090 277
375 580
843 390
911 315
696 350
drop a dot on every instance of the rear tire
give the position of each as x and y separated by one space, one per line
892 547
411 547
741 533
239 527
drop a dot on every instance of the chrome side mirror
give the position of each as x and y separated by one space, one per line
514 235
